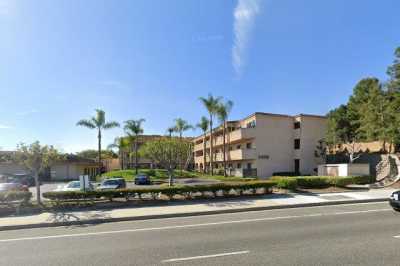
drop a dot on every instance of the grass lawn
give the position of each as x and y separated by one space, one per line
162 174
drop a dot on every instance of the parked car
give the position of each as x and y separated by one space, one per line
23 179
395 200
5 187
112 183
73 186
142 179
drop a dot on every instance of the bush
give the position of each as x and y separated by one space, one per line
362 180
285 174
11 196
286 183
313 181
170 192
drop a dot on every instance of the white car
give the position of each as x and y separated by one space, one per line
74 186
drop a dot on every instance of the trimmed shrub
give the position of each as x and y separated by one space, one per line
286 183
183 191
285 174
313 181
11 196
362 180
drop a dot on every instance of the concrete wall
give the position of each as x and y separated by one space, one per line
343 170
311 132
274 142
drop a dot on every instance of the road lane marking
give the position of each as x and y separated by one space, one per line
207 256
192 225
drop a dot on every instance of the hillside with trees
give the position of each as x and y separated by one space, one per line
371 113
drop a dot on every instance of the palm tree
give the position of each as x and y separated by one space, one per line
203 125
99 123
180 127
211 104
133 128
171 130
121 144
222 113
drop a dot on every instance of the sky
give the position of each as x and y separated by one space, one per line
153 59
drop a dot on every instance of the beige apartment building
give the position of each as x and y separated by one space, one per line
263 144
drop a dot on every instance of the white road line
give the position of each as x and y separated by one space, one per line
191 225
207 256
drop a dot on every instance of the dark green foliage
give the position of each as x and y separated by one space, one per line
372 112
320 181
170 192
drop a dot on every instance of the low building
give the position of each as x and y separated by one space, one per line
68 169
263 144
72 167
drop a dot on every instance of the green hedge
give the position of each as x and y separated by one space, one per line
320 181
12 196
287 183
185 191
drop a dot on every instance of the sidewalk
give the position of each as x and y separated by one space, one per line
179 209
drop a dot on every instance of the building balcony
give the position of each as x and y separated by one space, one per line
237 155
236 136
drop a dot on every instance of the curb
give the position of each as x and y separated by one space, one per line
188 214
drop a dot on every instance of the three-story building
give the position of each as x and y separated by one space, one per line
263 144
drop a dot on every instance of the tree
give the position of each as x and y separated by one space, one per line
170 131
133 128
99 123
339 129
203 125
121 144
180 127
36 158
223 111
167 153
211 104
394 73
93 154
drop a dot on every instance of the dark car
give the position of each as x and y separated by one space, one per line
112 183
6 187
142 179
395 200
23 179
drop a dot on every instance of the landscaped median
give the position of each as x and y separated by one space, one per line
169 193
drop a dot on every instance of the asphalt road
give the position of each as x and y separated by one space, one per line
361 234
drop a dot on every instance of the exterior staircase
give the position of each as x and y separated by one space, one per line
387 171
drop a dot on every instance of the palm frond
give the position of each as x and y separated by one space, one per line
112 124
86 123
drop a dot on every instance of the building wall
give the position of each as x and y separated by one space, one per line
72 171
11 168
312 130
272 144
274 140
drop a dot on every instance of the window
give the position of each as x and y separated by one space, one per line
249 166
297 144
251 124
238 147
230 165
248 145
230 148
297 125
239 165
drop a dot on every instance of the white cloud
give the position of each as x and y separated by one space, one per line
244 16
27 112
2 126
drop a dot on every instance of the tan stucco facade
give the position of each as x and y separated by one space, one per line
263 144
